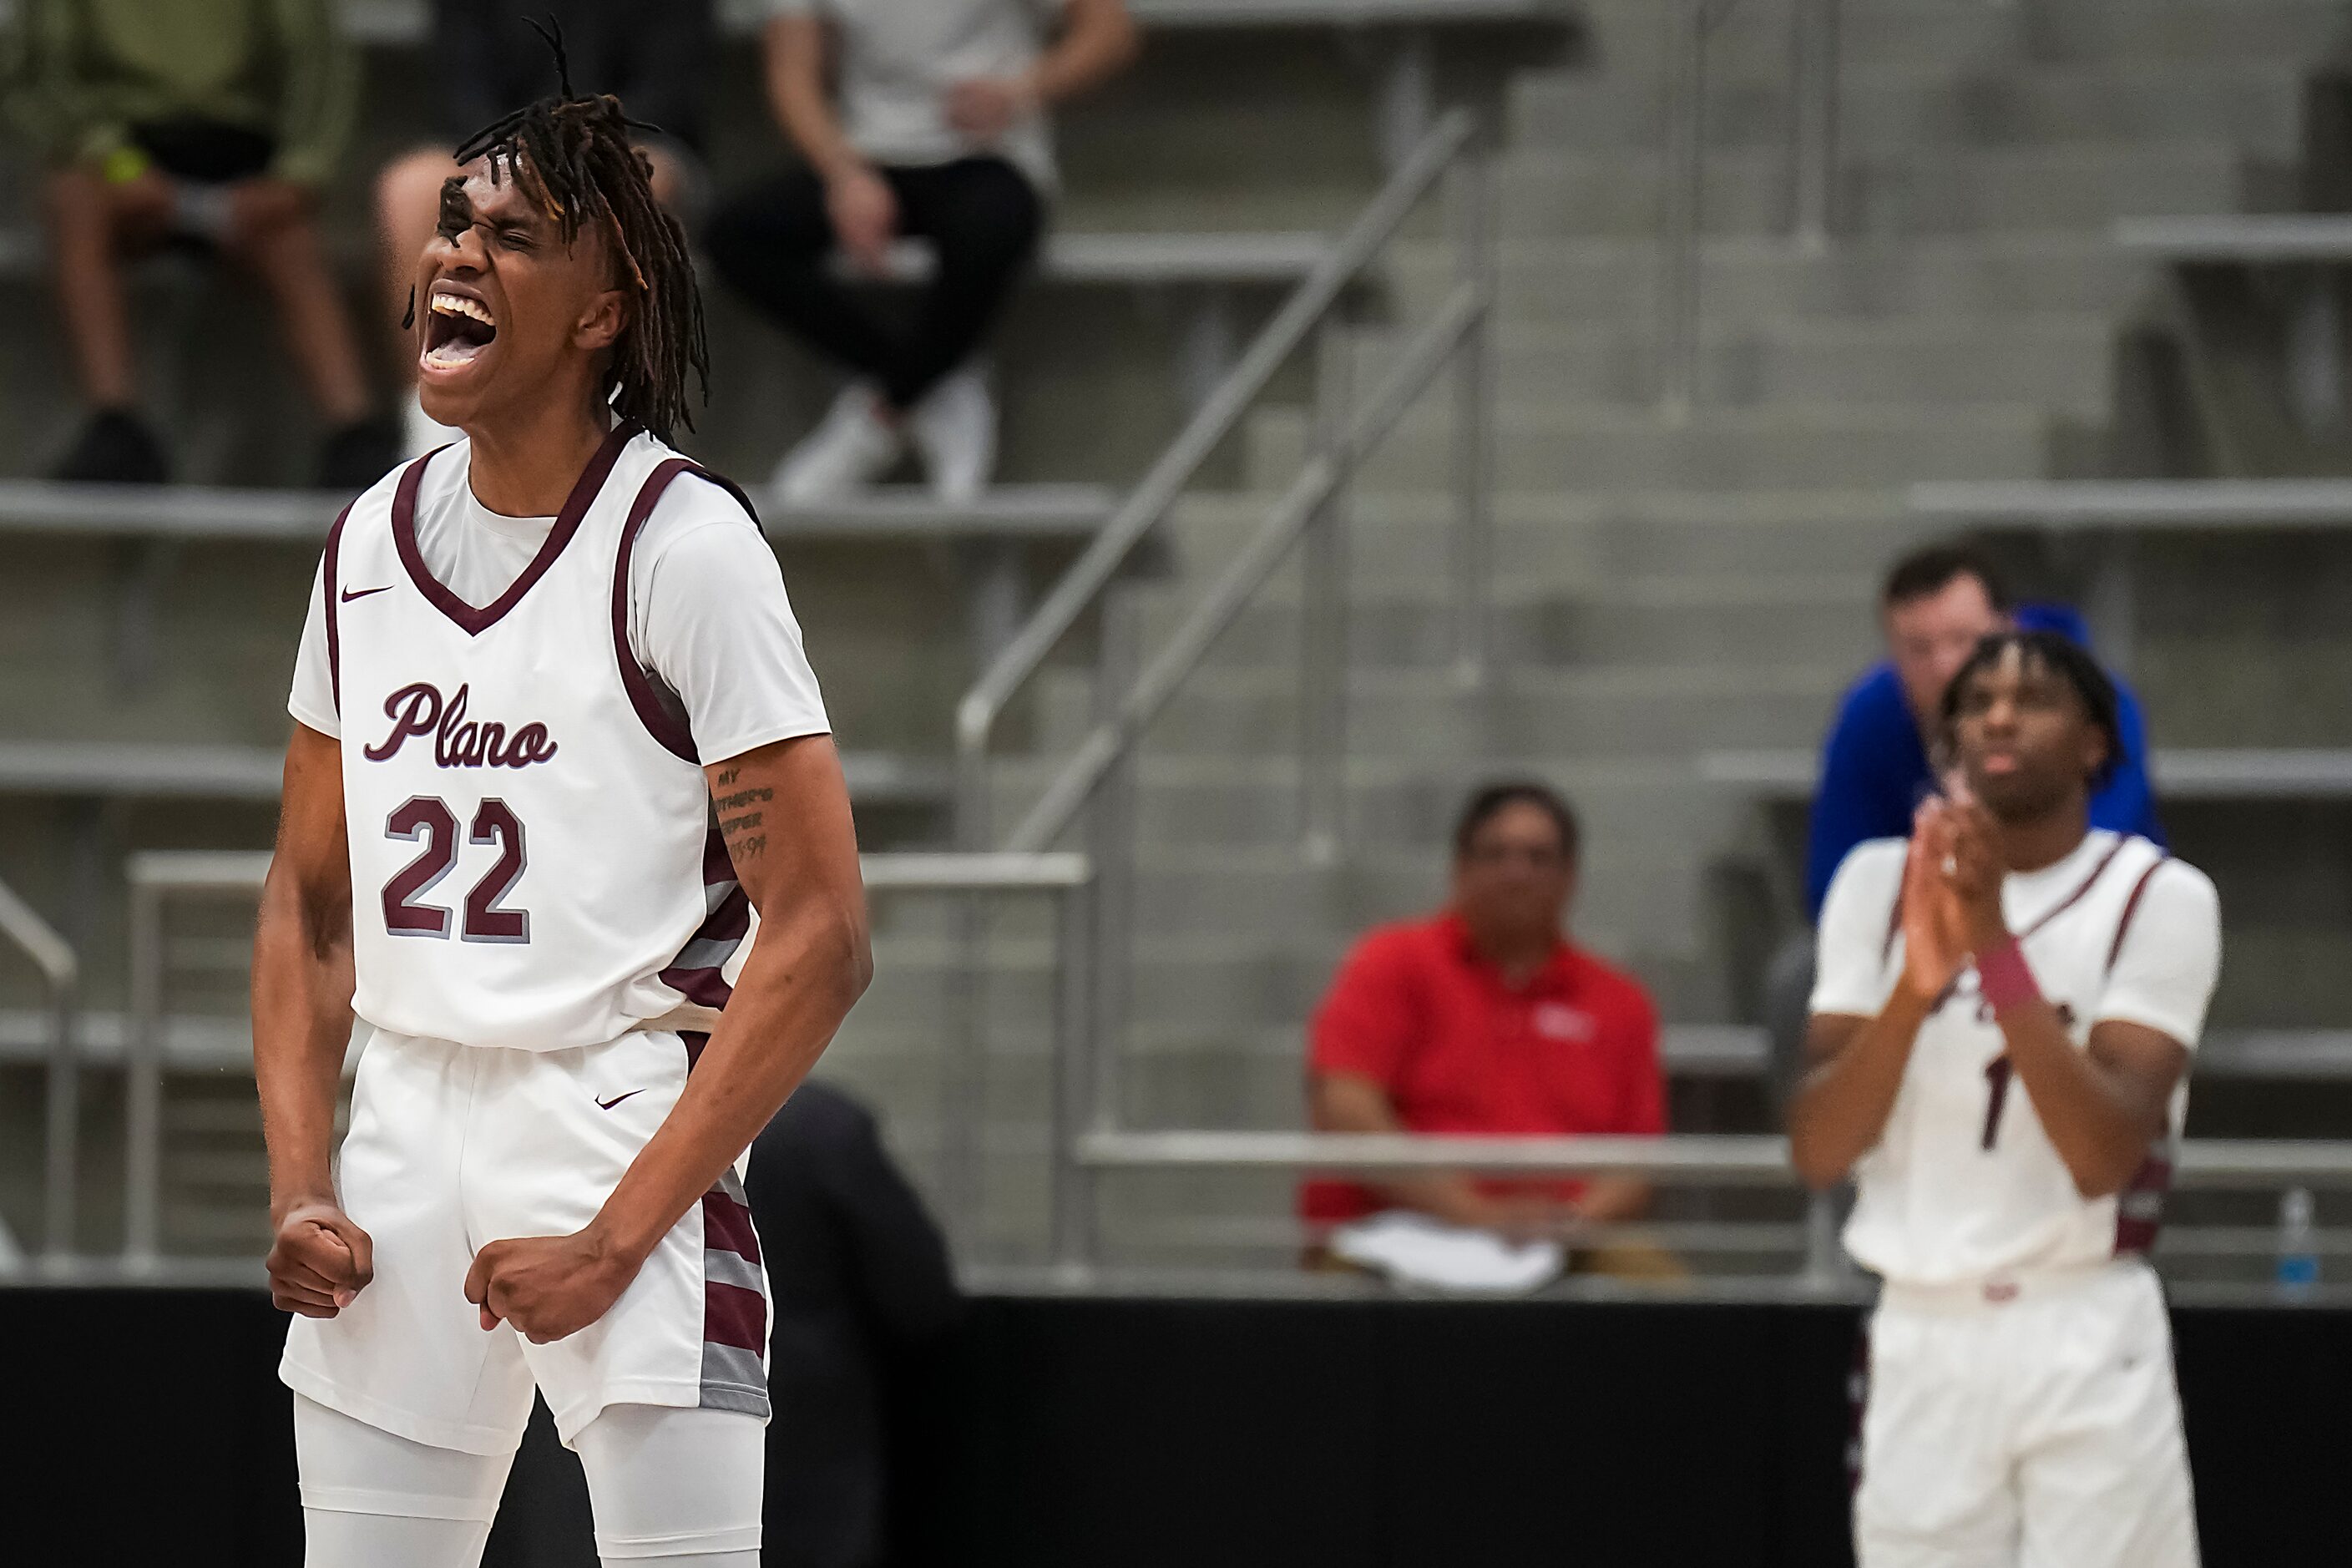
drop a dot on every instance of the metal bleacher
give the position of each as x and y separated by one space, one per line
404 21
197 512
2303 256
999 524
2108 516
147 770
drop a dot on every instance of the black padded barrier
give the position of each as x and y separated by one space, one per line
148 1426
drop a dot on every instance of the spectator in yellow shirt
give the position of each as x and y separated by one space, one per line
210 121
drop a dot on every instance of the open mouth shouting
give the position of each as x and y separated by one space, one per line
457 328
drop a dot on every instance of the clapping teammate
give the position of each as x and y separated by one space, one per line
2001 1027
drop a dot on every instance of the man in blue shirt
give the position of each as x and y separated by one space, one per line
1937 602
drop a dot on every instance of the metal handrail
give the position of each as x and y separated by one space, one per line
60 970
157 875
2217 1164
1813 171
1066 795
1148 504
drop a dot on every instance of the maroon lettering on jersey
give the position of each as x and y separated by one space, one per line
457 740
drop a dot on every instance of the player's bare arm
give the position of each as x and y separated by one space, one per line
784 816
319 1260
1856 1063
2101 1107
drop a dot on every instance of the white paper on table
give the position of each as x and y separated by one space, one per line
1413 1249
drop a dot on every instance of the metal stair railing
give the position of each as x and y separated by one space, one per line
1310 510
61 973
1457 333
1711 1160
1816 27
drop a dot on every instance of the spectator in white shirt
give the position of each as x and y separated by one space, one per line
939 131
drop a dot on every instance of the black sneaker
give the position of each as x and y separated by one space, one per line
356 455
116 448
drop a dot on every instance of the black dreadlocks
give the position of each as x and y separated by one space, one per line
2070 662
573 156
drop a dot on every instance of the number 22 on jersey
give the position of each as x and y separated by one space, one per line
428 818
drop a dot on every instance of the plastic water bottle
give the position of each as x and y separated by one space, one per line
2298 1247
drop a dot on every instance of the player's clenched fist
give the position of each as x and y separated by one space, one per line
548 1286
318 1261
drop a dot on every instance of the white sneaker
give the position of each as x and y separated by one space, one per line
848 451
420 432
954 427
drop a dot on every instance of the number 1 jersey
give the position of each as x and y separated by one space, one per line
535 861
1964 1184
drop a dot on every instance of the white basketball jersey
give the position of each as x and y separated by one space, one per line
534 861
1964 1184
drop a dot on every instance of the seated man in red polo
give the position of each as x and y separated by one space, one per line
1484 1019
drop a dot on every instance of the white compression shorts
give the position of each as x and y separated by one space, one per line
676 1484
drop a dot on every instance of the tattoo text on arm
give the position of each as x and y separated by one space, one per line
741 831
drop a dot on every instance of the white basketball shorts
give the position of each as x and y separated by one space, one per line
454 1146
2033 1425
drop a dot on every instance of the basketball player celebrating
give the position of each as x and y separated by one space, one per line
2002 1022
558 752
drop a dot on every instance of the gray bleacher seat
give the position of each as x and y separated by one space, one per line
1004 519
2131 505
199 512
146 770
1407 93
1151 257
401 22
2296 1055
1208 265
2226 775
2309 249
2255 238
218 1043
2111 511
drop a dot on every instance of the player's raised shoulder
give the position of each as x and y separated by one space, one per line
2182 899
1872 870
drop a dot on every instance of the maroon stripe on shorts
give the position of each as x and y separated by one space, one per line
734 1316
727 1226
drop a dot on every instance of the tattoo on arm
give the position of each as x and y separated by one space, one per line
736 832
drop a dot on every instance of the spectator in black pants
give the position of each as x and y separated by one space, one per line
864 1292
939 133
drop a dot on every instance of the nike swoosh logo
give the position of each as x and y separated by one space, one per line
363 593
608 1104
